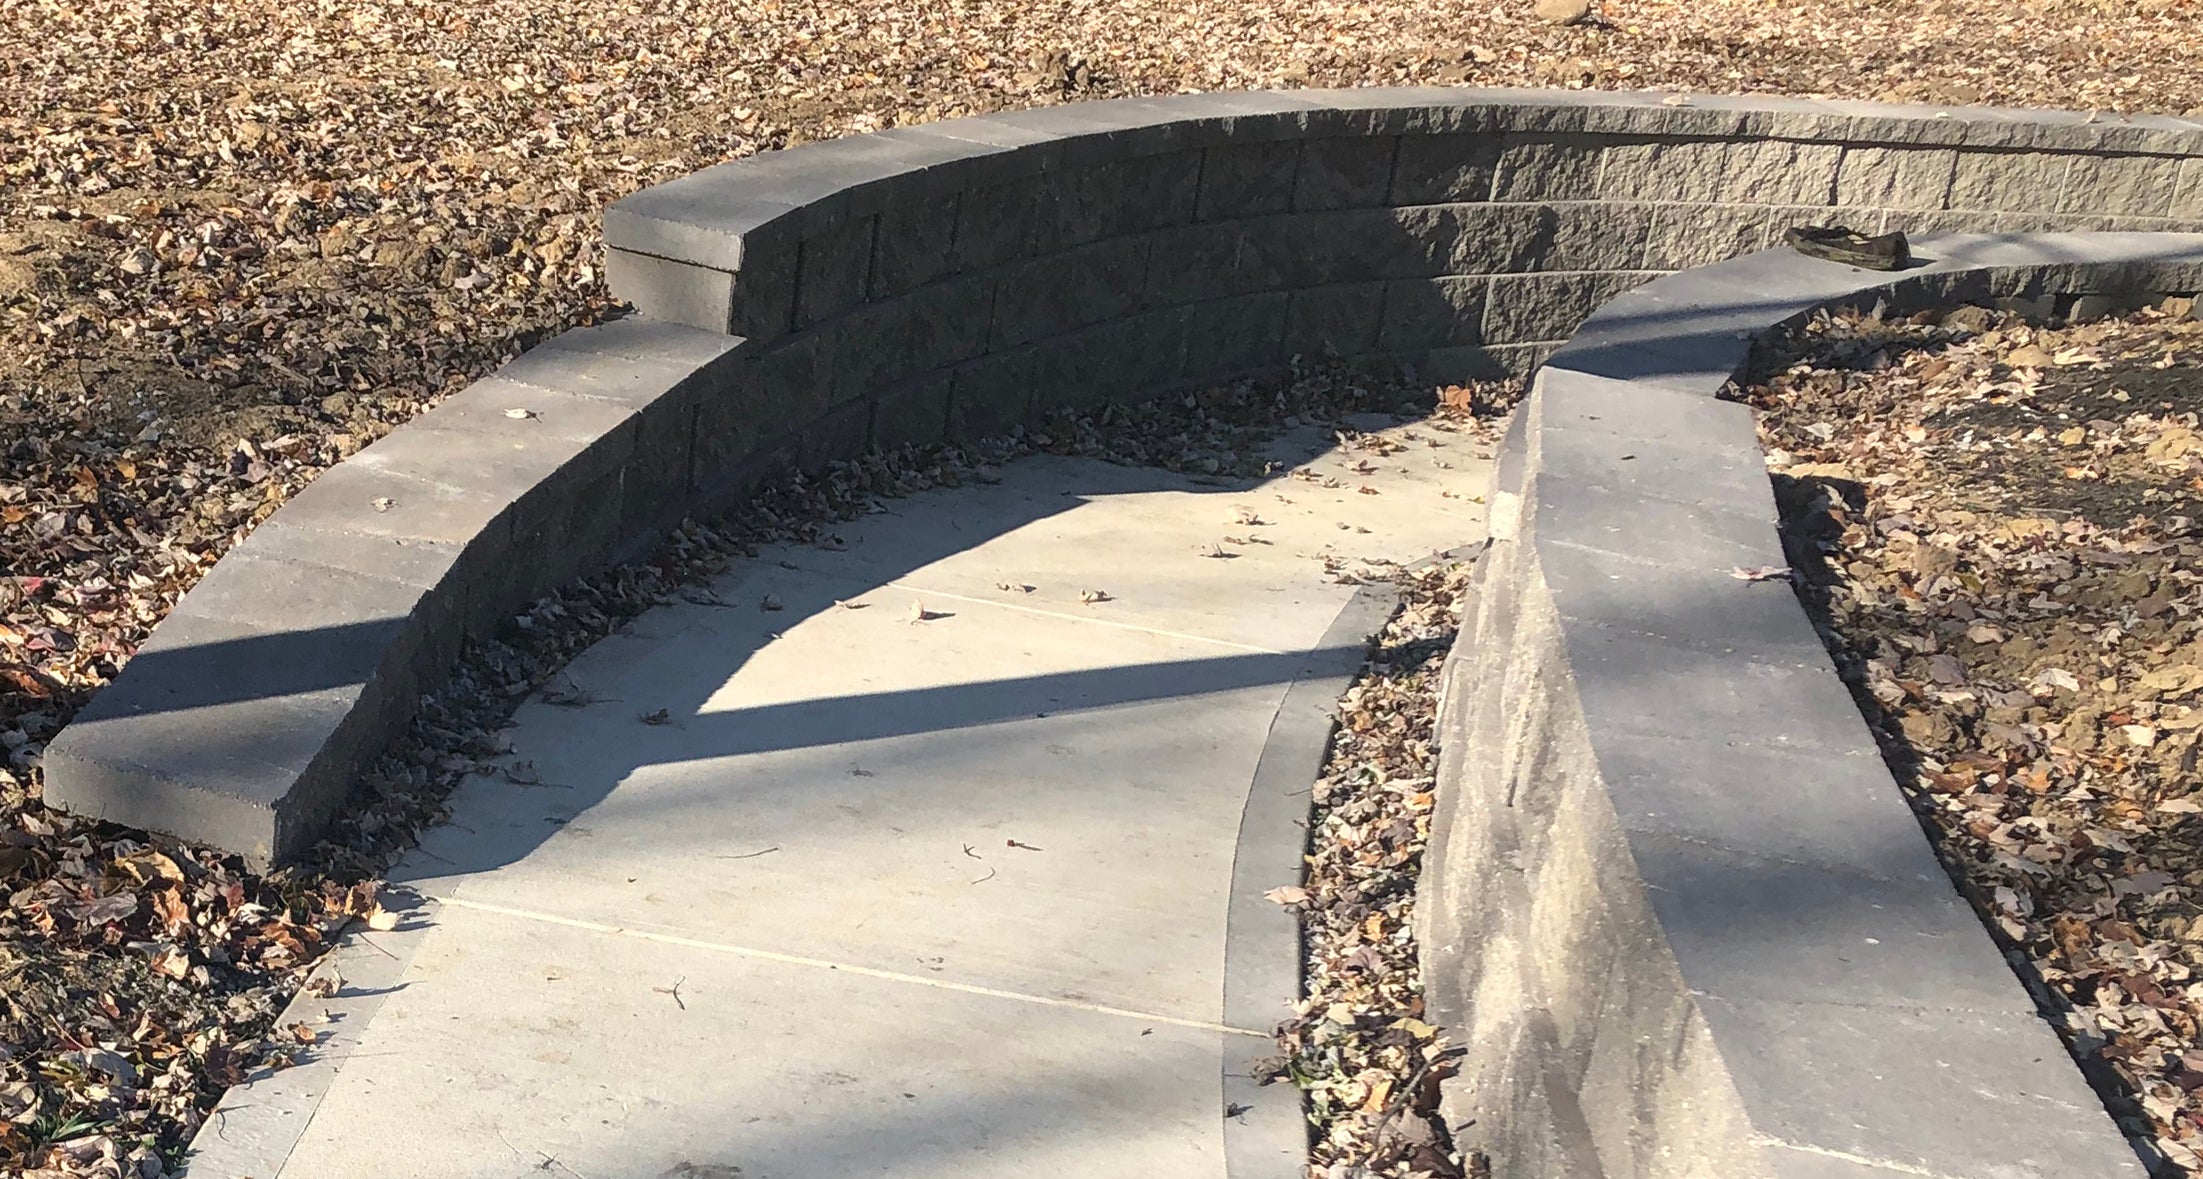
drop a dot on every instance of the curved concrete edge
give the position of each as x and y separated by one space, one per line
1676 908
965 278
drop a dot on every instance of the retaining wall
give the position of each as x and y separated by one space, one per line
1675 906
963 278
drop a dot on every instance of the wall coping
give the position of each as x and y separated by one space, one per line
1666 829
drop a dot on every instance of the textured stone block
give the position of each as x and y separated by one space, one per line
2121 186
929 329
1445 169
1895 177
1056 294
1344 173
2187 201
1242 334
777 389
1112 361
1240 180
1595 236
915 244
1358 245
991 395
1549 168
994 225
833 270
2022 181
1109 200
1189 263
1425 313
915 414
1682 236
1338 320
1767 172
1533 308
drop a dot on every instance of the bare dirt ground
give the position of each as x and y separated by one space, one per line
1999 524
241 239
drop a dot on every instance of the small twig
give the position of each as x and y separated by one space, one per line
675 991
989 876
1022 846
752 855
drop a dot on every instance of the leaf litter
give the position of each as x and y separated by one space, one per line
1357 1045
1993 519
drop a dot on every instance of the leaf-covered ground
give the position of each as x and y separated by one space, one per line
1999 524
241 239
1357 1044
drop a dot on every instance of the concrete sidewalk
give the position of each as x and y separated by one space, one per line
971 895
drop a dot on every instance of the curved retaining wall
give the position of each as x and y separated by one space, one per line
1675 906
962 278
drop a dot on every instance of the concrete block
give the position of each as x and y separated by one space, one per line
776 390
1190 263
1550 168
2009 181
914 245
913 414
1659 687
994 225
1344 173
1882 1089
1527 308
1088 284
2125 186
840 436
1240 180
676 292
1766 172
1708 534
1245 333
1425 313
1338 320
1573 404
1607 235
884 344
258 775
1444 169
1108 362
991 394
1683 236
833 270
1895 177
1112 199
2187 200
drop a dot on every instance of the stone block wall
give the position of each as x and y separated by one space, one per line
959 279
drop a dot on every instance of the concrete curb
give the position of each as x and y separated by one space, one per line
963 278
1675 908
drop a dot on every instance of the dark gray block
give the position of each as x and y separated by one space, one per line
1425 313
1242 334
1241 180
1116 360
833 270
1190 263
1444 169
1338 320
1049 296
915 244
1344 173
1081 205
992 394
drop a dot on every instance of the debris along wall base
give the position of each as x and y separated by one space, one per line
970 277
1675 907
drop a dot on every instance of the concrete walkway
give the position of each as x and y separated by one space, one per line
975 895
